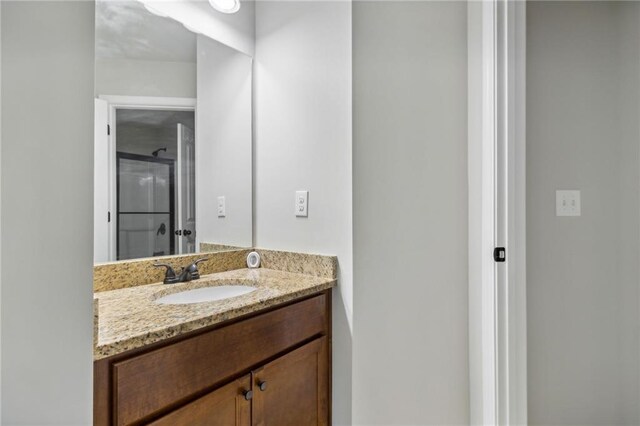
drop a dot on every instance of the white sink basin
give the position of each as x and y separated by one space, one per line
206 294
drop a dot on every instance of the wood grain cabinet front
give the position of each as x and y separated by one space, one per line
293 389
281 357
229 405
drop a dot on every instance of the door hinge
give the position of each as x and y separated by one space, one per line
499 254
108 130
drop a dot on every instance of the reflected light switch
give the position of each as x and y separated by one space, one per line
222 207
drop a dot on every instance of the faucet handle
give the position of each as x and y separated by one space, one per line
193 268
169 275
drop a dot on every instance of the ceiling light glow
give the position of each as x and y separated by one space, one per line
225 6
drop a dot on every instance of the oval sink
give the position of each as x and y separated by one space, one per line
206 294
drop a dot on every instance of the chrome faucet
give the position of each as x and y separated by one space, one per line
187 273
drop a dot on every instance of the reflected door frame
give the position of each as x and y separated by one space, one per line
185 179
497 196
116 102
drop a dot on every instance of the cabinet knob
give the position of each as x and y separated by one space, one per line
262 385
248 395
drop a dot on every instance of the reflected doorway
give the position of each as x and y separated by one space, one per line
154 182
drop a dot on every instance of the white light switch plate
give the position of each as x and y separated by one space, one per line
302 204
222 207
567 203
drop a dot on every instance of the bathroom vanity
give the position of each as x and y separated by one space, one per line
255 359
171 354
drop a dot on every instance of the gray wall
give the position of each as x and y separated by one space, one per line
145 78
582 133
303 142
47 163
410 328
0 212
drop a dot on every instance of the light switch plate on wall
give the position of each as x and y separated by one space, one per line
568 203
222 206
302 205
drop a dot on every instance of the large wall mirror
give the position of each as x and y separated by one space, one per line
173 138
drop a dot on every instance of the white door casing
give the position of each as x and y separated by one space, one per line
185 183
512 313
101 182
113 102
497 291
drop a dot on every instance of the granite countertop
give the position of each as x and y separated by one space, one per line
129 318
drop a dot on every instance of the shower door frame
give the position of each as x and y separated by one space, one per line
497 207
137 102
172 205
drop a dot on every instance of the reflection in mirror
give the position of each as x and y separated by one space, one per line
172 138
155 189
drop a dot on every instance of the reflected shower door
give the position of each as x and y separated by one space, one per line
145 207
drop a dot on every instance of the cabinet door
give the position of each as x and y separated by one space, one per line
226 406
293 390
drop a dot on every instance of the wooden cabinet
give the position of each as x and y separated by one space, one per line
293 389
229 405
281 357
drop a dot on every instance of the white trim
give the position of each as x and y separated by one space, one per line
101 183
482 280
497 291
153 102
136 102
178 191
0 218
511 190
112 183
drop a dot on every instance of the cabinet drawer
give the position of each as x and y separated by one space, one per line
145 384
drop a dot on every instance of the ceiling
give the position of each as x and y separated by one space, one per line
126 30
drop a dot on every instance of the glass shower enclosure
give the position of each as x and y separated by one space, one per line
145 214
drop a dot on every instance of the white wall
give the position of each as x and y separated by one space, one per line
145 78
223 144
410 331
47 168
303 142
583 93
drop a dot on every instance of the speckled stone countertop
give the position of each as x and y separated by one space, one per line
129 318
